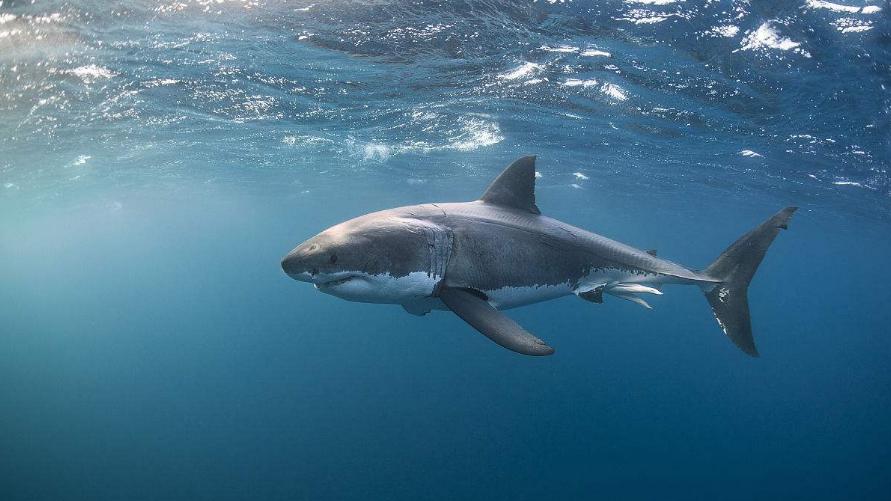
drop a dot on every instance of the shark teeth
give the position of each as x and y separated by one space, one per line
335 281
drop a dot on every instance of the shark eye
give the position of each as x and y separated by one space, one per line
333 259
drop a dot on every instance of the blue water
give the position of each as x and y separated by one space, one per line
158 159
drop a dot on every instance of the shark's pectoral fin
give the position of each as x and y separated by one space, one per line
476 311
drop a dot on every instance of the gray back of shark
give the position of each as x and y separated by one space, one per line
498 252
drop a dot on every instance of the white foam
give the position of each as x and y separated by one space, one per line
575 82
158 82
5 18
652 2
852 183
46 19
477 134
750 154
856 29
766 37
650 19
851 25
82 159
594 53
292 140
524 70
566 49
614 91
726 31
375 151
92 72
580 176
819 4
639 16
836 7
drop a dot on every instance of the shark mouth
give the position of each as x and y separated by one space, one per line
335 281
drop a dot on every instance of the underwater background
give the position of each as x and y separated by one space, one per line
157 159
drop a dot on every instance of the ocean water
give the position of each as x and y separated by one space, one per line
157 159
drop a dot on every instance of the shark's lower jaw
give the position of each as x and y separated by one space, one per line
353 287
341 281
376 288
301 277
334 282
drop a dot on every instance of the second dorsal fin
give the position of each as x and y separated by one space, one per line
514 187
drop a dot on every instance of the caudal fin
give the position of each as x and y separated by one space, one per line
735 268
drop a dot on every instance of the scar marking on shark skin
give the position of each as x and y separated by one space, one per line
552 242
721 324
569 232
441 209
723 293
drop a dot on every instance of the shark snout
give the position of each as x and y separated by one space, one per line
298 267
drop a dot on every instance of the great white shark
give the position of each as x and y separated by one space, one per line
498 252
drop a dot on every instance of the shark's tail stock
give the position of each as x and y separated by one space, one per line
735 268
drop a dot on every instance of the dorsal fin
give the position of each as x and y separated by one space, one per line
514 187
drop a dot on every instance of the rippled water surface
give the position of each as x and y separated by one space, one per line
158 158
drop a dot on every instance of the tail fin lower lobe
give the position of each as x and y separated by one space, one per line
735 268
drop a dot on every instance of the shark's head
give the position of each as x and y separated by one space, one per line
376 258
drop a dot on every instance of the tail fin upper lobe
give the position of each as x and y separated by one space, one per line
735 268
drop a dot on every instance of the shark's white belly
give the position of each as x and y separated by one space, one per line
415 290
382 288
512 297
615 282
